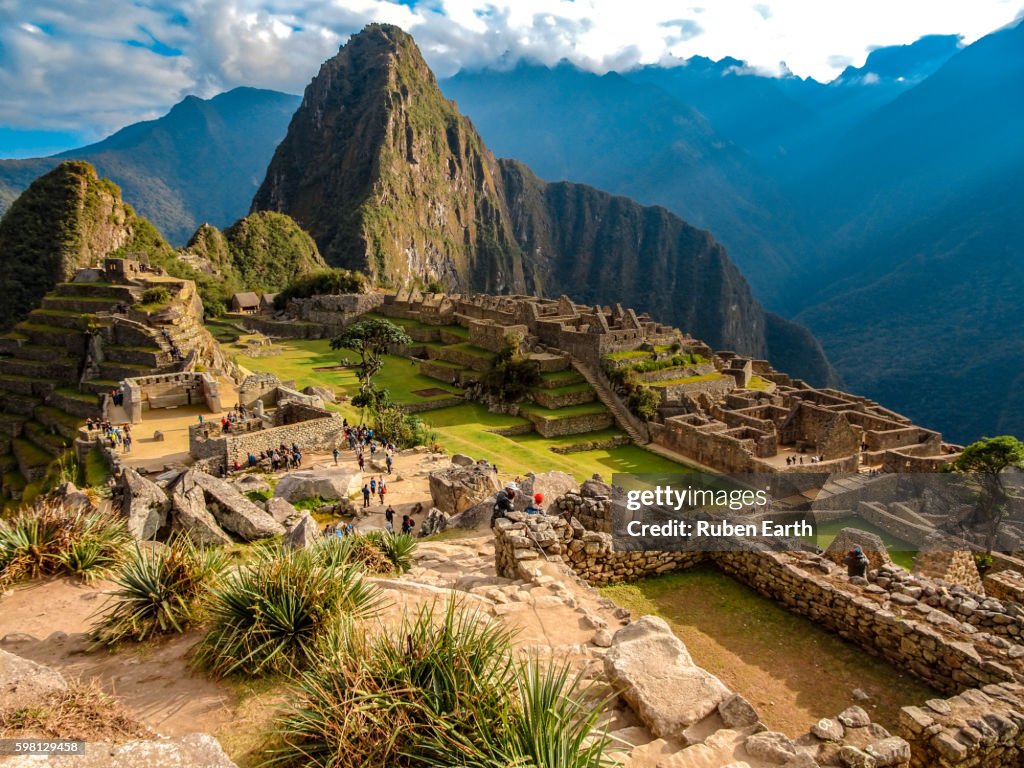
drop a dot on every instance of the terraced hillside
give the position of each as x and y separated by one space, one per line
57 364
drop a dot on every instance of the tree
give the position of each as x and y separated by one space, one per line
370 339
512 375
986 461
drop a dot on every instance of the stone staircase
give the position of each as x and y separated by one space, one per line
626 420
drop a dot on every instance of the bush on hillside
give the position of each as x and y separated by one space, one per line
48 539
330 282
159 591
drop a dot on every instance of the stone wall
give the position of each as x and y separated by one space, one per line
571 425
489 335
323 432
974 729
1005 585
169 390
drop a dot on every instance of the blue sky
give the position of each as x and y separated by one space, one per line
73 71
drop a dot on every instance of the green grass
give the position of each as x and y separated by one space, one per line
632 354
470 349
568 389
97 470
569 411
463 429
299 357
74 394
686 380
775 658
901 552
756 382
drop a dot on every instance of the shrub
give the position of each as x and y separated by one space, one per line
159 591
48 539
358 550
376 700
644 402
156 296
511 377
272 615
325 283
398 548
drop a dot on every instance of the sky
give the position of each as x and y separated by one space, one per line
74 71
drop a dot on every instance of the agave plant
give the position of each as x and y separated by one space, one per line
548 724
398 548
272 615
159 591
49 539
376 701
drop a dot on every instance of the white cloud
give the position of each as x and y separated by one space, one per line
93 66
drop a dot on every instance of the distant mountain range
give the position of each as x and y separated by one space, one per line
881 209
199 163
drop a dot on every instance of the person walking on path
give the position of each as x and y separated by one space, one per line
366 496
389 519
336 454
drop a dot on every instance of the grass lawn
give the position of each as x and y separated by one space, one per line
463 429
300 357
787 666
756 382
901 552
554 414
686 380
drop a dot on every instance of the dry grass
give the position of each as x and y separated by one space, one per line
83 712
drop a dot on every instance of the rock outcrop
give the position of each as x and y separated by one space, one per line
210 510
458 488
143 503
24 683
327 484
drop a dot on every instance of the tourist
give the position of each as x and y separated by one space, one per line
535 506
409 525
127 443
366 496
389 519
336 454
373 485
381 490
200 419
361 460
504 502
388 461
856 563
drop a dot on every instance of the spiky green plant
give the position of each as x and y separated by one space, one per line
159 591
48 539
398 548
272 615
374 701
549 723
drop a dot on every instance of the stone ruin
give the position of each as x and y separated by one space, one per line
964 643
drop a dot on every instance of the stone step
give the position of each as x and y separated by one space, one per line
39 352
51 335
80 304
65 424
71 401
98 386
95 290
60 369
10 342
32 460
23 406
45 438
114 371
74 321
11 425
26 385
152 357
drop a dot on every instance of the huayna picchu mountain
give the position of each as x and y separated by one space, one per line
390 179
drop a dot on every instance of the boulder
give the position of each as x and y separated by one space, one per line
456 489
191 751
324 393
476 516
282 511
332 484
595 488
854 717
248 483
143 504
654 673
305 533
24 683
772 747
435 522
190 515
73 499
551 484
871 543
737 712
462 460
233 511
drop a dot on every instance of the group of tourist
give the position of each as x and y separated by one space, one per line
117 397
113 437
408 522
376 487
793 460
282 457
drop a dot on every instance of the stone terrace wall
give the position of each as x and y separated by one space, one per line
315 432
945 656
975 729
1005 585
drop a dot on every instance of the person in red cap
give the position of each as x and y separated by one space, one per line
536 505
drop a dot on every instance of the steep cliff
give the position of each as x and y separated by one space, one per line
390 179
66 219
